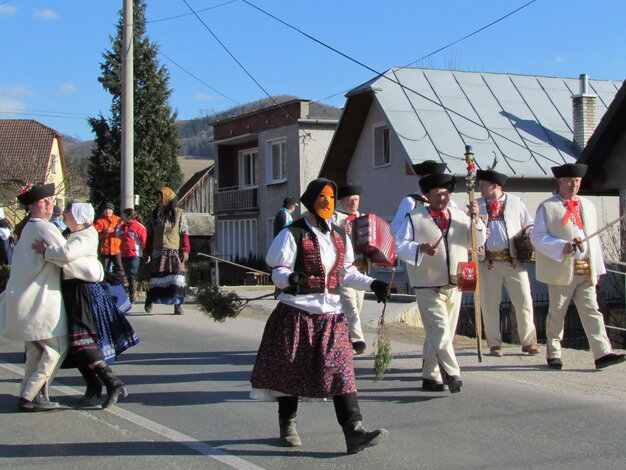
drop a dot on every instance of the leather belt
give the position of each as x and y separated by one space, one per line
502 255
582 267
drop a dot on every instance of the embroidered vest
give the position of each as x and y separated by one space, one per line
561 273
512 224
441 269
309 261
167 235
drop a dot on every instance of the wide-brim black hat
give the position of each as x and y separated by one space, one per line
492 176
437 181
313 190
35 193
349 190
569 170
429 167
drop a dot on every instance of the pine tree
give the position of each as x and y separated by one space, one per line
155 133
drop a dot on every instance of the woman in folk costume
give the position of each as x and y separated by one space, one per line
306 350
167 249
91 315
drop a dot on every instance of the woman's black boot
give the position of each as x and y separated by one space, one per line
94 387
114 386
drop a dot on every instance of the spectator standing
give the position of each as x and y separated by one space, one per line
57 219
283 217
133 237
6 240
109 247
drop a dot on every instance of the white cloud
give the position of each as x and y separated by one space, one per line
67 88
205 97
46 15
7 10
560 59
17 90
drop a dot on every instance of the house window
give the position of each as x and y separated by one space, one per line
247 165
236 239
53 164
382 154
270 231
276 161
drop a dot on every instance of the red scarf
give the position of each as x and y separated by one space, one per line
441 219
573 211
495 209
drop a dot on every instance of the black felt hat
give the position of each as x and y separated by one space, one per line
349 190
569 170
492 176
34 193
429 167
437 181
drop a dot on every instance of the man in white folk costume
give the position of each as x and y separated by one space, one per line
571 273
506 217
432 241
352 299
31 307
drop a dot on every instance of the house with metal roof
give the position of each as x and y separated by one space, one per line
523 124
29 152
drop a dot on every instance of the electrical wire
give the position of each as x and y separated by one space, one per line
189 14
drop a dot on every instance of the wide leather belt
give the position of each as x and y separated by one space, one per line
502 255
581 267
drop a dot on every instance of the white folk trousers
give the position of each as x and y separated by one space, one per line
352 303
515 279
439 309
43 359
583 293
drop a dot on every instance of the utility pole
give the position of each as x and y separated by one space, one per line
127 167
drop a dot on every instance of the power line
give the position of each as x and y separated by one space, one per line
198 79
240 64
43 114
189 14
402 86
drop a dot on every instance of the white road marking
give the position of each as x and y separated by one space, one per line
152 426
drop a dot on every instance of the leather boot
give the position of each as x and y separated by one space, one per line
358 438
115 387
94 387
178 309
132 290
289 433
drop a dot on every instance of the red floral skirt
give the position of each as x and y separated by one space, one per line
305 355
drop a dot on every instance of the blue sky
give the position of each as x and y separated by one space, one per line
51 50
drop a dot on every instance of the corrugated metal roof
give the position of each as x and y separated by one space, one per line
524 121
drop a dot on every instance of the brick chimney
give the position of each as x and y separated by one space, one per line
584 107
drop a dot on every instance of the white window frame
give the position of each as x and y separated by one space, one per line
270 232
282 142
381 145
243 155
237 238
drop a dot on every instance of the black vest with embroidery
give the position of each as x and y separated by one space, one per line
309 261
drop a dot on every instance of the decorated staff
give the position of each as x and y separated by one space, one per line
473 268
432 265
571 274
305 350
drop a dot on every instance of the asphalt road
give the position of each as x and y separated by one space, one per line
188 407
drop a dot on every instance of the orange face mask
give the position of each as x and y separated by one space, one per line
325 203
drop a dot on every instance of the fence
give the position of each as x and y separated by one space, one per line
574 333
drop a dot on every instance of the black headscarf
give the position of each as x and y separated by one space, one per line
310 195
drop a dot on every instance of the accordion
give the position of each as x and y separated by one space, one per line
372 237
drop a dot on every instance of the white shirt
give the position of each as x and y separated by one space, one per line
407 205
408 248
282 258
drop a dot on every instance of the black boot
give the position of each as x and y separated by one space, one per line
132 291
358 438
94 387
115 387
